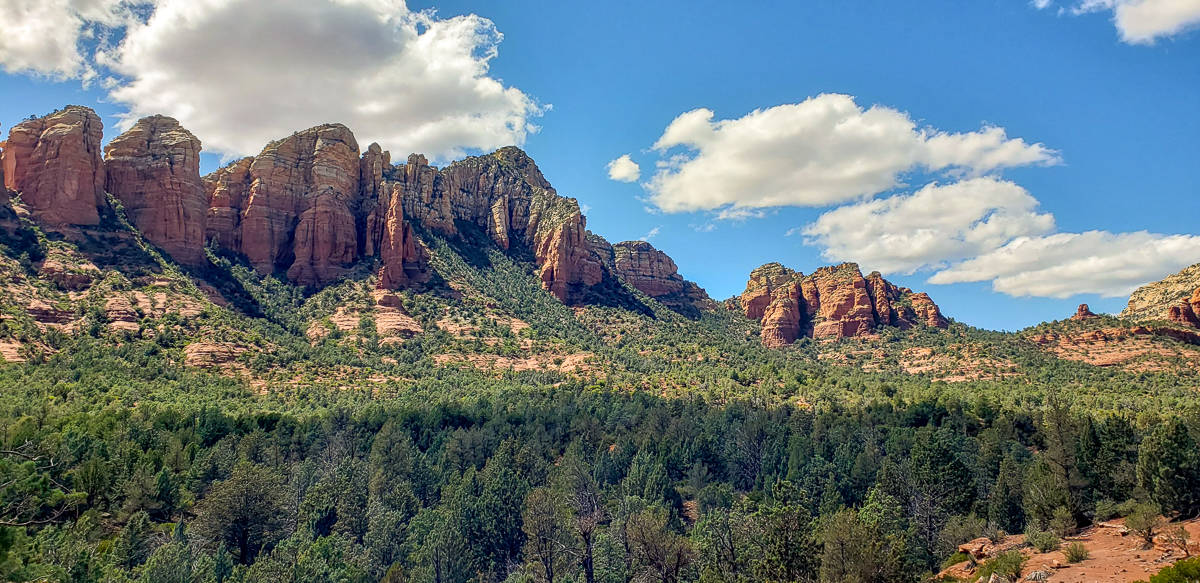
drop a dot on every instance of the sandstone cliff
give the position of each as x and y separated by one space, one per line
505 196
154 170
653 273
1154 301
832 302
54 163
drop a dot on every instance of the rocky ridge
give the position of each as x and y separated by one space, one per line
311 206
1154 301
832 302
154 170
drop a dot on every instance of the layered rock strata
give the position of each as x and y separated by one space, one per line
154 170
832 302
54 162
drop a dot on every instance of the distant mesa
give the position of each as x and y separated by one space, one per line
832 302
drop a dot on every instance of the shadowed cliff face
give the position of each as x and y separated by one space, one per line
832 302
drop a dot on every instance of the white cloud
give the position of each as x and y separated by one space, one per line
825 150
1065 264
624 169
1145 21
239 73
652 234
1040 4
43 37
931 227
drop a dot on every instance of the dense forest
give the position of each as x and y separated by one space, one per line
120 467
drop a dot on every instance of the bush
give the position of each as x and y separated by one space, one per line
1007 564
1076 552
1063 522
955 559
1043 541
994 534
1186 571
1144 521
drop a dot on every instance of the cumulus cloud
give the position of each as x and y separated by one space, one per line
624 169
822 151
933 226
45 37
239 73
1145 21
1065 264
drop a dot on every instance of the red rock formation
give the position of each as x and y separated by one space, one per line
154 170
1083 312
54 163
649 270
1187 312
227 188
845 305
404 259
655 274
325 240
766 282
833 302
927 312
290 206
505 195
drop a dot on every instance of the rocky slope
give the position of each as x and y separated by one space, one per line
832 302
1154 301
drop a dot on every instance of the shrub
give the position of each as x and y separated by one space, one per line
1076 552
1186 571
1007 564
1179 538
1043 541
994 534
955 559
1144 521
1106 509
1063 522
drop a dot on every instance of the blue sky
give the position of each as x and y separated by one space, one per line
1097 106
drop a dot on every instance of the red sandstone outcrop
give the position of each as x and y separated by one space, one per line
833 302
54 163
289 208
1083 312
154 170
649 270
506 196
403 258
653 273
1187 312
